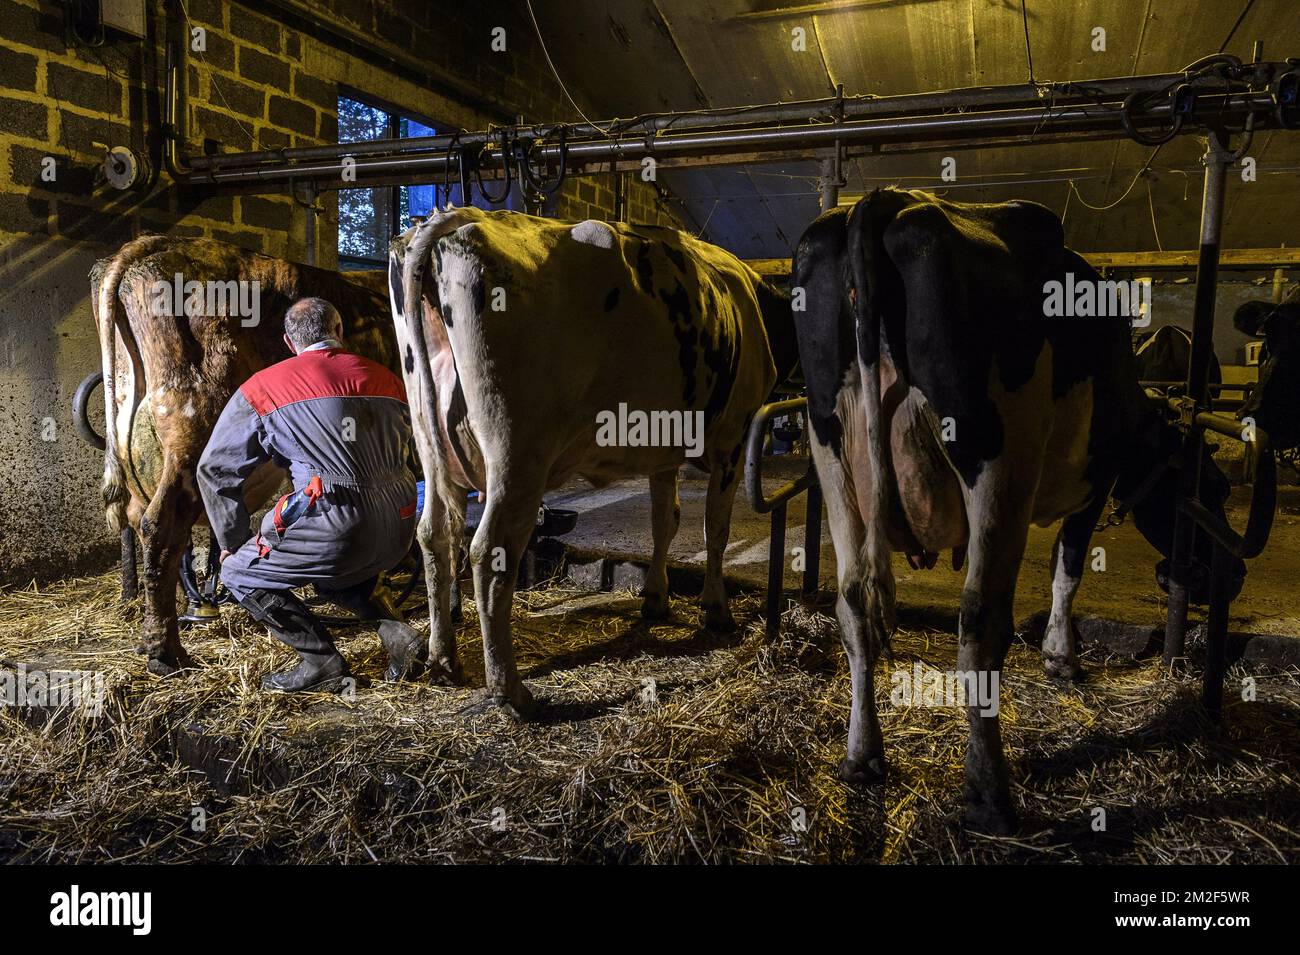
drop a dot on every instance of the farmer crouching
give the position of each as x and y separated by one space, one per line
340 424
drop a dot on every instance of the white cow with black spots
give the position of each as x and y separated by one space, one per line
520 338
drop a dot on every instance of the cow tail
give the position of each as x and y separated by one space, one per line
414 261
874 567
104 280
110 323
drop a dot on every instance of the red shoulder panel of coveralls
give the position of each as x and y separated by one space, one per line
327 373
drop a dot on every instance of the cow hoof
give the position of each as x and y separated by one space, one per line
169 664
1060 668
655 607
519 706
445 671
992 815
719 620
991 820
863 772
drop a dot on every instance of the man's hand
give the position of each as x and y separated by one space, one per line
224 555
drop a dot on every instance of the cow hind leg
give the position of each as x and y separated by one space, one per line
999 528
864 761
503 533
717 529
1060 659
439 533
666 516
164 535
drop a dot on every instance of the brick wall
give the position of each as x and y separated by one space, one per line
258 82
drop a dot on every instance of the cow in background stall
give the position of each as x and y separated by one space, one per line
1274 403
1166 353
948 412
523 340
168 376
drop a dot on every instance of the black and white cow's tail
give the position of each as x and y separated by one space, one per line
865 250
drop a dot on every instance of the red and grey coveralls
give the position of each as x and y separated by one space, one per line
329 414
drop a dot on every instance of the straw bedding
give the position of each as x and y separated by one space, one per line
654 744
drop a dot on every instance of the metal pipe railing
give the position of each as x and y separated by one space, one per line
806 137
776 504
825 109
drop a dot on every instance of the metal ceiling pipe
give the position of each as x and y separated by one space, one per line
936 128
827 109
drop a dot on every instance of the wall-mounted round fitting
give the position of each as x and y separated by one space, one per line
124 168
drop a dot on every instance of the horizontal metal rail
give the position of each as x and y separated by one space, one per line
825 109
946 128
1114 107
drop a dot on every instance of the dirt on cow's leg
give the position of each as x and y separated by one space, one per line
999 520
503 532
1060 657
665 516
164 534
723 481
440 530
129 566
864 759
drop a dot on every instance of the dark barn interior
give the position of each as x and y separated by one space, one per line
413 162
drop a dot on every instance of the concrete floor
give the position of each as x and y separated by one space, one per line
615 520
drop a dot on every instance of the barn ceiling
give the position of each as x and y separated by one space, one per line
623 57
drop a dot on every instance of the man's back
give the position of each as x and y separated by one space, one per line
327 411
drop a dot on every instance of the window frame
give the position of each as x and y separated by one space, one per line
393 116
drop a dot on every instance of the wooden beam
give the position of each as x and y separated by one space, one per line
1229 258
821 8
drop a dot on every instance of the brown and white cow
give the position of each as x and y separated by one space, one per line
167 377
951 406
522 338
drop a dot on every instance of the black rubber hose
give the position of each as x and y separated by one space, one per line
505 163
1139 137
80 414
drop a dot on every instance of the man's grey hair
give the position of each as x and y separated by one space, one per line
311 320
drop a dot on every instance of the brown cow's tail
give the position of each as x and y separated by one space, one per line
105 281
865 251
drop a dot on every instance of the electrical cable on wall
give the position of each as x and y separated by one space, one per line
554 72
1140 173
212 81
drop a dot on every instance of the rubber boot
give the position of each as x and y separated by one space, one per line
321 668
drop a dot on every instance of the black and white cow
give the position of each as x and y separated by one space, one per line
949 412
526 344
1274 404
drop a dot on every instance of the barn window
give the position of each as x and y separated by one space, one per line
370 217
